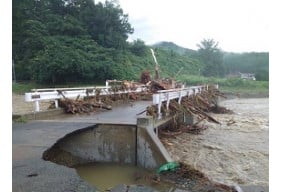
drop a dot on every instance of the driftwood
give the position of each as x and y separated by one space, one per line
81 106
168 134
199 106
90 104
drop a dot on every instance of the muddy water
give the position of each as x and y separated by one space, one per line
104 176
235 152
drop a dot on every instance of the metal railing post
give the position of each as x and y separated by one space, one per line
167 102
159 107
37 107
56 104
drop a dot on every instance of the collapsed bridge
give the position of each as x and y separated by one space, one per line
138 143
181 105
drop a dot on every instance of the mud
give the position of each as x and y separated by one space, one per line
235 152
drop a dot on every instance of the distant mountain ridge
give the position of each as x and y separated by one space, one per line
174 47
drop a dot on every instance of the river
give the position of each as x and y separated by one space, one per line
235 152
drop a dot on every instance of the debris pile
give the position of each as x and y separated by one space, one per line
90 103
81 106
186 177
198 106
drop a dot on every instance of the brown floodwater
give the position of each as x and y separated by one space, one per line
235 152
105 176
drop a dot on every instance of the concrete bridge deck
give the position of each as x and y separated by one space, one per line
31 139
125 113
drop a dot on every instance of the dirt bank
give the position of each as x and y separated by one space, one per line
235 152
19 106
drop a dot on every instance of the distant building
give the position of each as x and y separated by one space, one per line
248 76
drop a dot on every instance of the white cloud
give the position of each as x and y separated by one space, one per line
237 25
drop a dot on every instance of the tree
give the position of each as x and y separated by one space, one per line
138 47
212 58
106 23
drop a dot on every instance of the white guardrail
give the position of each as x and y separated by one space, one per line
54 94
167 95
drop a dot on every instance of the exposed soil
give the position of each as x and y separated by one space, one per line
20 106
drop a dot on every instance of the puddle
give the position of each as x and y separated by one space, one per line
105 176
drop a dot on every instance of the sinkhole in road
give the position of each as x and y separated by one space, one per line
107 156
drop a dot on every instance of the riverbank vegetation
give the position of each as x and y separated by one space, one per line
230 85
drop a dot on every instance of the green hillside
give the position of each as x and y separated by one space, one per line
249 62
80 41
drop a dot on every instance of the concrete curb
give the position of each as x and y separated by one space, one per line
38 115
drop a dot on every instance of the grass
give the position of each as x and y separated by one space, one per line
23 87
234 85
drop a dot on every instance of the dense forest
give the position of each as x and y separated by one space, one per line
63 41
232 63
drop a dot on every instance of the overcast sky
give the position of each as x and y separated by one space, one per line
238 25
